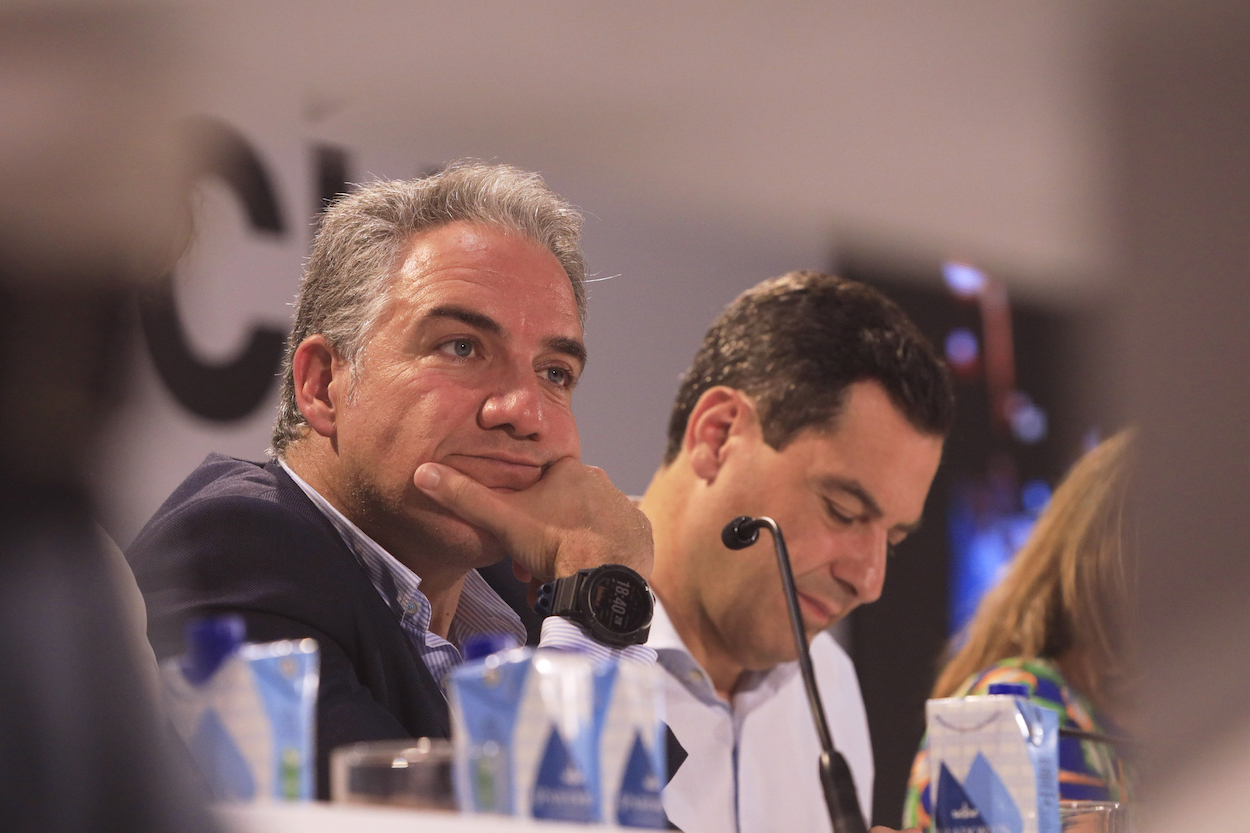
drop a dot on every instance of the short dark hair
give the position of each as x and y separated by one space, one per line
797 342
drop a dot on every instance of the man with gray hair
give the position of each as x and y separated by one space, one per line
425 431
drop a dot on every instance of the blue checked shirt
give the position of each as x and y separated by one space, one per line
479 611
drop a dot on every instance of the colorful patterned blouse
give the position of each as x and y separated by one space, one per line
1087 770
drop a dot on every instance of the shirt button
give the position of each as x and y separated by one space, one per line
410 607
695 676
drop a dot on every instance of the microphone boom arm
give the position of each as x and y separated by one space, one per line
835 775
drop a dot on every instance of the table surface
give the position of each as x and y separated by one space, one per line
322 817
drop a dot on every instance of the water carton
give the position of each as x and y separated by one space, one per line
553 735
632 744
246 711
993 763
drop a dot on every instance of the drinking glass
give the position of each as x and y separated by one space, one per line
408 773
1093 817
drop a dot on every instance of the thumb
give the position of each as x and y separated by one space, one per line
467 499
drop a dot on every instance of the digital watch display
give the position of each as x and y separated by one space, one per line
612 602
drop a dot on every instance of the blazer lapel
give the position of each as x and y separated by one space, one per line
419 702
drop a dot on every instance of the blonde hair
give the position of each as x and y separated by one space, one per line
1068 588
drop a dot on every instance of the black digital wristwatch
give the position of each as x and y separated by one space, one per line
612 602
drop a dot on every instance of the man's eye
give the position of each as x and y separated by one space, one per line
837 514
559 376
461 348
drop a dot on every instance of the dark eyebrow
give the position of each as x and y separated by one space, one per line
571 347
467 316
871 507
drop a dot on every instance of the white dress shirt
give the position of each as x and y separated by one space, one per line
752 763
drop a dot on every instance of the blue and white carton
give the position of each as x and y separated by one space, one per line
246 711
553 735
632 744
993 764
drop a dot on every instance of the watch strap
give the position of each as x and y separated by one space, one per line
559 597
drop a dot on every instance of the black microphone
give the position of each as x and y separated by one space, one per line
835 775
741 532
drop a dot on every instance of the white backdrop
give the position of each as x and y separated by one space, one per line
710 145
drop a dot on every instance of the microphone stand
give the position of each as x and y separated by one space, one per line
835 775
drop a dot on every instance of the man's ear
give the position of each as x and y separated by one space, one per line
721 415
316 367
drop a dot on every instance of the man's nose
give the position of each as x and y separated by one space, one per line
515 406
864 570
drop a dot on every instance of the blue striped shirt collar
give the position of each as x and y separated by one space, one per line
479 611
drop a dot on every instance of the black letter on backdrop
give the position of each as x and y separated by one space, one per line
330 168
229 391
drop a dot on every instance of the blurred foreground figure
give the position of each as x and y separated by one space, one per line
1056 623
86 204
1178 105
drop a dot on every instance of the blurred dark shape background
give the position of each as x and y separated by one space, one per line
90 199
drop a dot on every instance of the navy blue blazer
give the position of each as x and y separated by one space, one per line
242 537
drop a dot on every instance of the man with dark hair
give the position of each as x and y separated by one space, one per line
426 430
814 401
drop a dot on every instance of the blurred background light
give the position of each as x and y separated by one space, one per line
964 280
1034 495
962 348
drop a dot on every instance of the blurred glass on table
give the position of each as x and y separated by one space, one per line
403 773
1093 817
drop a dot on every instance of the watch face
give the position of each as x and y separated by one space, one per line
619 600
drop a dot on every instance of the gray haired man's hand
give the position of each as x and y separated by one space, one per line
571 519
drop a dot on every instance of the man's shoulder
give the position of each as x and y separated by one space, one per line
228 504
237 535
221 483
220 475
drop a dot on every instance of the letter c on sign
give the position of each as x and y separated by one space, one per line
231 390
